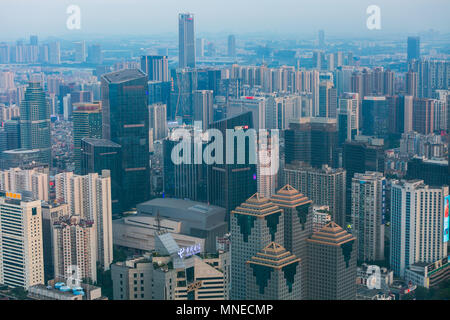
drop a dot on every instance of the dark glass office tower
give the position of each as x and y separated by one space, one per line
101 154
126 122
375 117
313 141
413 48
12 128
186 42
35 122
432 172
87 123
159 92
231 184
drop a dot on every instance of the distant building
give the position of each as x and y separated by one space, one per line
186 40
312 140
231 45
413 50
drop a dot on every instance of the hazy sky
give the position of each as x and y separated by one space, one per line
20 18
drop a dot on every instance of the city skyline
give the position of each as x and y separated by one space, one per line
287 17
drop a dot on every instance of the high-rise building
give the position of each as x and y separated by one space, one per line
125 122
74 248
411 83
313 141
87 123
321 38
432 172
413 48
203 107
417 224
186 40
101 154
231 45
375 116
95 54
254 224
332 264
54 53
231 184
423 115
327 100
359 157
348 117
257 106
50 213
158 120
324 186
368 210
156 67
21 251
35 122
273 274
89 197
80 51
200 47
18 180
298 220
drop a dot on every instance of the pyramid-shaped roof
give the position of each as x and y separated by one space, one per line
288 196
331 234
256 205
274 256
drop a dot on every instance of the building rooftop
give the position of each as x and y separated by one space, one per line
331 234
257 205
192 214
101 142
123 75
